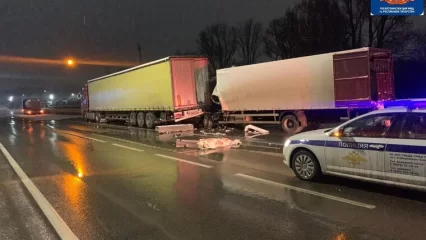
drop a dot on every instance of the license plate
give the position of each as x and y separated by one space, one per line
178 115
192 112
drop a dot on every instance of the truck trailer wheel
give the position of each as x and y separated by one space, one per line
141 119
290 124
150 120
132 119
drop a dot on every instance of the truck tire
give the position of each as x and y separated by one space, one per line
132 119
141 119
150 120
290 124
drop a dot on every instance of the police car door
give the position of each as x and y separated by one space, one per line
360 149
405 158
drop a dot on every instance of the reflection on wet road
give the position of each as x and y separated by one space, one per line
120 183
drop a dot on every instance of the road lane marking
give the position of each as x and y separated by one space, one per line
331 197
183 160
75 135
57 222
94 139
122 146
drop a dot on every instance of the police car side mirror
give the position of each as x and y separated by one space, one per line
337 133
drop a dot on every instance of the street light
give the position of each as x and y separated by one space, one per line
51 97
10 98
70 62
72 94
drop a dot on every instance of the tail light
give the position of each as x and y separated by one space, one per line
29 112
41 111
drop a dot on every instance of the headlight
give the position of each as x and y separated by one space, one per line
287 142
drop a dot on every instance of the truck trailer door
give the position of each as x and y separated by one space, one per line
384 78
183 77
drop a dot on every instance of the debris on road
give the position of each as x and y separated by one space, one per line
213 143
219 131
174 128
208 143
181 143
213 133
225 129
172 136
253 131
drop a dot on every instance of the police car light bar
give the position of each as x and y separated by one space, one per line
410 104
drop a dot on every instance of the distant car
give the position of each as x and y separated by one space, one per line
32 112
31 106
385 146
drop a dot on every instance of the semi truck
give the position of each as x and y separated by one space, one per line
168 90
306 91
31 106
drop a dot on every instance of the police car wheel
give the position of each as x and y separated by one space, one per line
305 165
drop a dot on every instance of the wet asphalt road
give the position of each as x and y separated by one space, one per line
120 183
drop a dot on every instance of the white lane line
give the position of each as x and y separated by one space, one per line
75 135
57 222
331 197
183 160
93 139
122 146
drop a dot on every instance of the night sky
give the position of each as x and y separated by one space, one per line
107 30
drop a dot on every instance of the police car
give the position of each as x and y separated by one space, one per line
385 146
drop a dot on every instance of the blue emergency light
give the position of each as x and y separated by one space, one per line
410 104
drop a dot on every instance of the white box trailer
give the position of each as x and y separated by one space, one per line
296 91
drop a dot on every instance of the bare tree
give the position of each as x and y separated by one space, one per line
219 43
310 27
357 12
274 40
322 26
281 38
139 48
414 45
378 29
384 26
249 37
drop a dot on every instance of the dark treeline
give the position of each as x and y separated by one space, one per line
314 27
